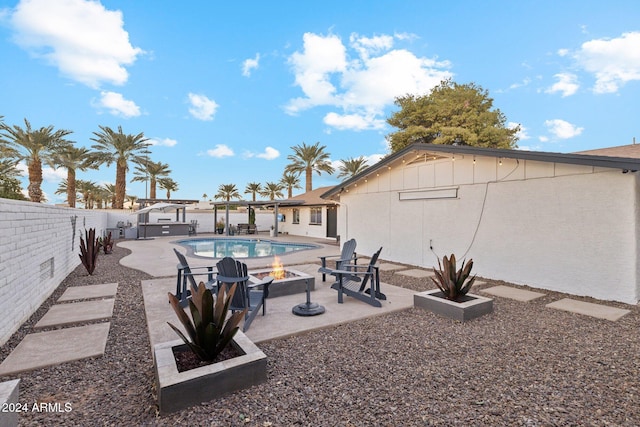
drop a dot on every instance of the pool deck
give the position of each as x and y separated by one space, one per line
156 256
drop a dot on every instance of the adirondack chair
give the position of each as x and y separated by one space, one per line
347 255
247 294
353 279
186 276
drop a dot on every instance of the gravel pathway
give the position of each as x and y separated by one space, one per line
523 365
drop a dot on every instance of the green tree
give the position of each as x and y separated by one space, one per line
10 187
307 159
73 159
151 171
119 148
88 191
290 181
352 167
450 113
253 188
273 190
132 200
34 147
169 185
227 192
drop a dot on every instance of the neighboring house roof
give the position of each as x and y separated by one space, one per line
312 198
630 151
625 164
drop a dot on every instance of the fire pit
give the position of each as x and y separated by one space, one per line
287 281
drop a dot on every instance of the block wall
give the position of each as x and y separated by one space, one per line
39 247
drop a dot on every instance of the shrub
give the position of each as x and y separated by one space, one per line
89 249
208 328
453 283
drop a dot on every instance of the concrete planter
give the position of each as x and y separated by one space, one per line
10 407
473 305
180 390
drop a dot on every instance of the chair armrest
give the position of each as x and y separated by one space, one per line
355 267
264 282
225 279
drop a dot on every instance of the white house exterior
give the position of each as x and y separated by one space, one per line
311 216
563 222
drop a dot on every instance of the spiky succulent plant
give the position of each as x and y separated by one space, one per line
89 250
209 329
453 283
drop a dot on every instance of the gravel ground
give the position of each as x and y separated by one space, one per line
523 365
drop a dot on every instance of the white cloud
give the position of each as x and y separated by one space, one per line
567 84
562 129
85 41
360 86
53 175
165 142
614 62
269 153
356 122
250 64
117 105
202 108
543 138
220 151
522 133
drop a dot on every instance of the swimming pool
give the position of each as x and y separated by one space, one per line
241 248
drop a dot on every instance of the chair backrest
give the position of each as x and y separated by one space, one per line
230 267
348 249
372 262
184 265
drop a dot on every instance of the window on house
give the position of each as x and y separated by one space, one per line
316 216
296 216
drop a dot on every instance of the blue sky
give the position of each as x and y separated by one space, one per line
224 89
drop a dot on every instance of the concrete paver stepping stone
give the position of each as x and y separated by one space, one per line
416 272
75 312
513 293
89 292
386 266
54 347
590 309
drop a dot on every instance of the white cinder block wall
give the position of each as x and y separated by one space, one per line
39 247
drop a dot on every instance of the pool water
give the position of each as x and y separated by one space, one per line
241 248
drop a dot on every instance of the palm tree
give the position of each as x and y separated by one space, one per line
118 148
169 185
253 188
290 181
111 189
9 180
227 192
204 197
149 170
307 159
132 199
352 167
73 159
273 190
87 189
34 147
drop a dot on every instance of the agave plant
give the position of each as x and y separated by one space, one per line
107 244
208 328
89 249
453 283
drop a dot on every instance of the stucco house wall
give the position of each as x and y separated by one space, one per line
562 227
303 227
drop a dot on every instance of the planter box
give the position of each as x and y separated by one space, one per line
473 306
9 405
180 390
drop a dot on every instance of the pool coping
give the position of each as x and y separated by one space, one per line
191 253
